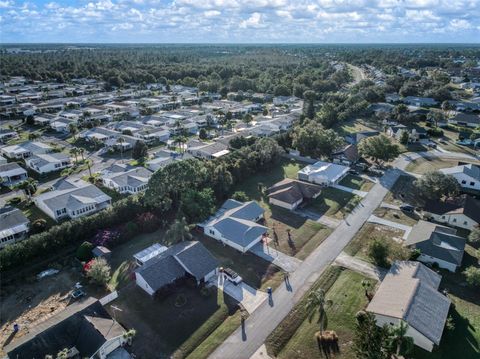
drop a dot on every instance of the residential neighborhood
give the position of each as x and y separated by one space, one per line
334 213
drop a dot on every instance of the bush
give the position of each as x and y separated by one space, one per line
99 271
472 275
240 196
84 252
435 132
378 251
180 300
39 225
205 292
148 222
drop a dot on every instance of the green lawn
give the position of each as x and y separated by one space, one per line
344 289
357 182
358 247
175 331
464 341
33 213
306 235
423 165
254 270
334 202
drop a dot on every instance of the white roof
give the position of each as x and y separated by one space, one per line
332 171
149 252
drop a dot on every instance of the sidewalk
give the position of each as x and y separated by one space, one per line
351 190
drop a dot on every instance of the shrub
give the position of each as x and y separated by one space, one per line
378 251
105 237
180 300
39 225
240 196
472 275
84 252
99 271
435 132
148 222
205 292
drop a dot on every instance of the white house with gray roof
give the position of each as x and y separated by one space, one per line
467 176
72 199
236 224
184 259
409 293
48 162
14 226
126 179
12 173
323 173
25 150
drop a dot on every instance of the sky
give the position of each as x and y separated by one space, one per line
240 21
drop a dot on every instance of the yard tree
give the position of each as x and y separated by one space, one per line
29 187
311 139
203 134
404 138
316 303
378 148
400 343
435 117
472 276
99 271
435 185
221 181
197 205
474 236
328 115
309 107
400 112
240 196
378 251
370 340
268 150
178 232
140 150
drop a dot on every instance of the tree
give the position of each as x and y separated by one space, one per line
73 129
311 139
178 232
435 117
203 134
120 141
436 185
370 340
472 276
29 186
240 196
404 138
247 119
74 151
99 271
327 115
316 303
400 112
399 342
366 284
378 251
197 205
140 150
378 148
474 236
32 136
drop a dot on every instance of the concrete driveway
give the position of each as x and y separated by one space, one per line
386 222
360 266
350 190
282 260
322 219
247 296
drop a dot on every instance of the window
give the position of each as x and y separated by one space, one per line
472 183
465 222
463 181
454 220
443 217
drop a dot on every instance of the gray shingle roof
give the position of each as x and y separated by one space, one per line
11 217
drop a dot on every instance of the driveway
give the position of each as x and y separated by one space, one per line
322 219
245 341
282 260
390 206
386 222
360 266
350 190
247 296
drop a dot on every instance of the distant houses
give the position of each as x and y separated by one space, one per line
236 225
48 162
409 293
437 244
323 173
25 150
463 211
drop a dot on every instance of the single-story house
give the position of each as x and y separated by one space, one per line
7 134
348 155
61 124
148 253
290 193
409 294
25 150
392 97
468 176
184 259
14 226
465 120
323 173
164 158
463 211
355 138
49 162
235 224
3 160
84 329
209 151
12 173
437 244
419 101
126 179
73 199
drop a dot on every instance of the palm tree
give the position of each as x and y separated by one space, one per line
82 153
121 141
32 136
74 151
366 286
399 340
73 129
29 186
316 302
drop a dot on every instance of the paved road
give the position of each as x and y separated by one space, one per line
245 341
360 266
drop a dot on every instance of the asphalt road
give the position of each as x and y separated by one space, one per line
245 341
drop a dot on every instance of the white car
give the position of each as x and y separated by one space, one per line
232 276
47 273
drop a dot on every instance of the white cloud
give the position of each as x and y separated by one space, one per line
211 13
253 21
6 3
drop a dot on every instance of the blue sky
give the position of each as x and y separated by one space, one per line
240 21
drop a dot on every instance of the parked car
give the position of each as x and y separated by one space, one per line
232 276
77 294
47 273
432 145
407 208
353 172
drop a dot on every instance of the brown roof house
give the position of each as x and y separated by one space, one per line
347 155
463 211
409 293
437 244
290 193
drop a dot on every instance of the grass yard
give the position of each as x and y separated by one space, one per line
356 182
254 270
294 338
334 202
423 165
409 219
464 340
358 247
176 331
306 234
33 213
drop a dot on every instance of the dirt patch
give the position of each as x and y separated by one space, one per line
32 302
